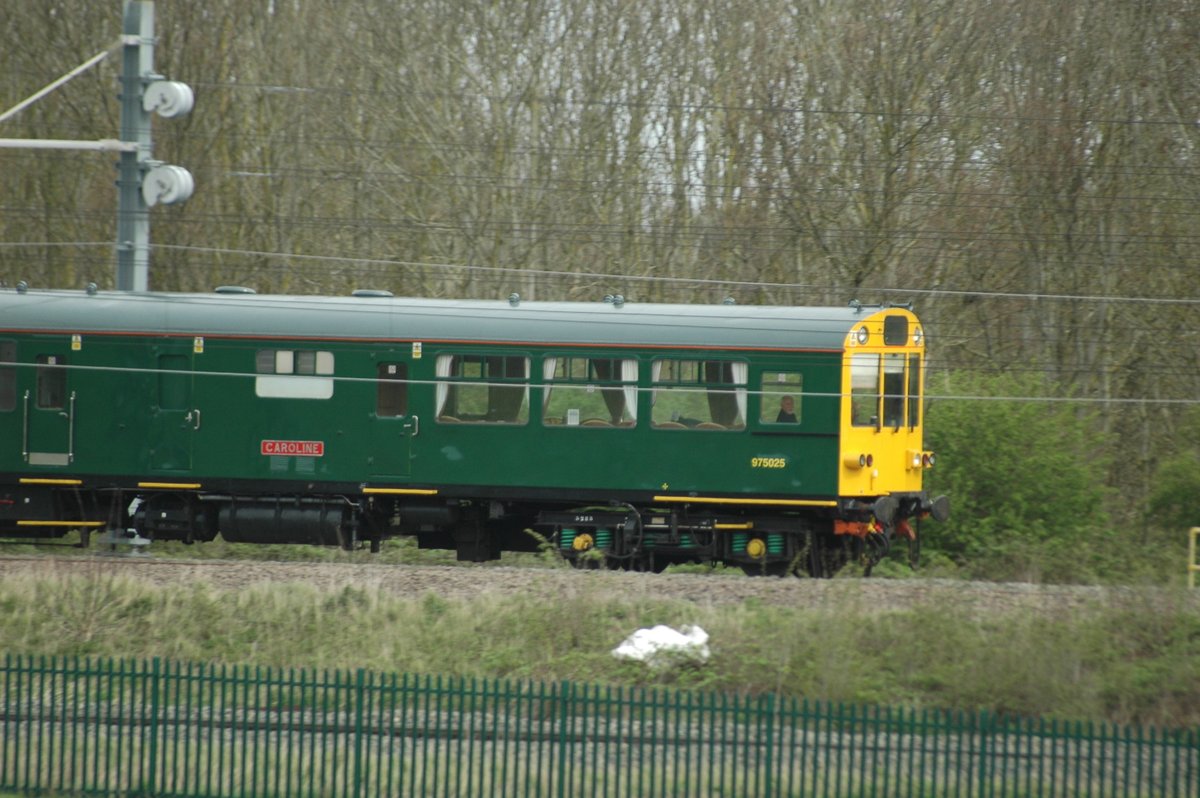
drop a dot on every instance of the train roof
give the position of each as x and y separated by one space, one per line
374 317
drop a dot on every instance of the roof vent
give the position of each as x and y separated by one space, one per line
514 299
616 300
91 289
858 306
233 289
371 292
22 287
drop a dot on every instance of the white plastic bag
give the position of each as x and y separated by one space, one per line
662 646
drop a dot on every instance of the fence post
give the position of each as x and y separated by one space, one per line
151 786
359 693
770 742
984 729
564 695
8 778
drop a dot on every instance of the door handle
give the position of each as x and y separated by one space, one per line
193 416
414 425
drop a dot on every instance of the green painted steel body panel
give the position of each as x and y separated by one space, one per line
164 387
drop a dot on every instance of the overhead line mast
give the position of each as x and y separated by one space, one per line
142 182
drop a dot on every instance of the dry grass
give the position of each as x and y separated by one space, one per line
1135 661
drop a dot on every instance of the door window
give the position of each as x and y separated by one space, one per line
51 382
391 395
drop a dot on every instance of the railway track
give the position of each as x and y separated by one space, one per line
470 582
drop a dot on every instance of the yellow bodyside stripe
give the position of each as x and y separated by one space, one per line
775 502
402 491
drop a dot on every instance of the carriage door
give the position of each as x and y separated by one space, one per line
174 419
391 448
49 409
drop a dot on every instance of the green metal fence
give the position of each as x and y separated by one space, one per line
118 727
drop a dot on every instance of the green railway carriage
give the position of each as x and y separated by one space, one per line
629 435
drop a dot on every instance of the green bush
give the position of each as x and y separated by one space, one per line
1173 501
1026 480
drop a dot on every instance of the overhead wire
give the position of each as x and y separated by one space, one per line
1004 247
932 239
408 93
556 231
719 282
619 277
408 143
1012 248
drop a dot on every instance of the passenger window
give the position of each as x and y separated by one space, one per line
490 389
8 376
285 362
51 382
864 390
780 397
391 394
293 374
264 361
306 362
698 394
893 390
290 361
589 392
